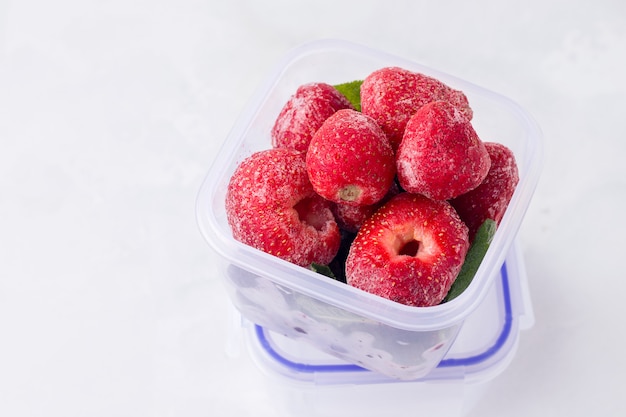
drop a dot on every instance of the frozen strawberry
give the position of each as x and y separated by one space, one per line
350 217
304 113
491 198
410 251
392 95
440 155
271 205
350 160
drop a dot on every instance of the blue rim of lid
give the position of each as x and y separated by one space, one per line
445 363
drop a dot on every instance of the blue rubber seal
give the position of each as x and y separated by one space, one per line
478 358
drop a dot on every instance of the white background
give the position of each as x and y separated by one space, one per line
111 112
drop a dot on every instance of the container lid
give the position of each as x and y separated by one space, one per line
483 348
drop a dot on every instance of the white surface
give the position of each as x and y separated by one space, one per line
111 112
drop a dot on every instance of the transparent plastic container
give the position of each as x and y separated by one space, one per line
304 381
395 340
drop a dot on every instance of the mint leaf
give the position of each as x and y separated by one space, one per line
352 91
322 269
474 257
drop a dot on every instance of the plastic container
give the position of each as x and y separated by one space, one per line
303 381
396 340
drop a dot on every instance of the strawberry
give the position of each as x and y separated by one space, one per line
491 198
350 160
304 113
271 205
392 95
410 251
440 155
350 217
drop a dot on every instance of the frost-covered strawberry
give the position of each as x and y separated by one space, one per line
304 113
392 95
410 251
441 155
350 217
491 198
271 205
350 160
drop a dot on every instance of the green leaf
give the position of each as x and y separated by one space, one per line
352 91
474 257
322 269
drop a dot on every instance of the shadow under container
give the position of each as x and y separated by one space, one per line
395 340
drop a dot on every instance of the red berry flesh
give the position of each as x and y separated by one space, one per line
271 206
491 198
440 155
350 160
410 251
392 95
304 113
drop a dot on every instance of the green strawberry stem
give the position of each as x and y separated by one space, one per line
474 257
352 91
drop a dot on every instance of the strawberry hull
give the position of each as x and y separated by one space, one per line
392 339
